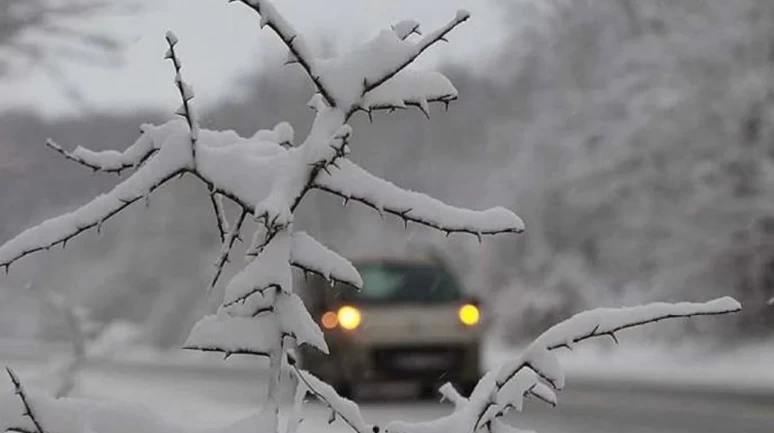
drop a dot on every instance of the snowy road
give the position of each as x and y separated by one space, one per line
201 396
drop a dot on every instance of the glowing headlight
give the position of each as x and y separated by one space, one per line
349 317
469 314
329 320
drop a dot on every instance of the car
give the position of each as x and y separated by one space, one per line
412 321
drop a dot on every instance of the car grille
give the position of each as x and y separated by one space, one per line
417 361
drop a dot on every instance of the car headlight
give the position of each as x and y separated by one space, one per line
469 314
349 317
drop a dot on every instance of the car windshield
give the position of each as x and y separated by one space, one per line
386 282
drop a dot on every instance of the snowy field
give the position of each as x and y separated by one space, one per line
647 389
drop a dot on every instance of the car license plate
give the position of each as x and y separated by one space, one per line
421 361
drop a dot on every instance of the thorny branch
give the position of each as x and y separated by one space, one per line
329 278
228 244
423 44
28 411
216 200
98 224
301 375
593 334
186 93
271 17
96 167
405 214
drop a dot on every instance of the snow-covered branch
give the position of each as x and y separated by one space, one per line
352 182
236 334
299 51
515 378
309 255
186 93
408 52
410 88
29 411
111 161
340 407
504 388
157 171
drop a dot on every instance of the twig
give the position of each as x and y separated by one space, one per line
28 411
227 246
186 93
271 17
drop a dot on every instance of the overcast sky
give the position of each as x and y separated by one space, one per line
221 41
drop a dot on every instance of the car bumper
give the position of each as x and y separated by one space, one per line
426 363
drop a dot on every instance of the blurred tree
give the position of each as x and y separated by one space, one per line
42 33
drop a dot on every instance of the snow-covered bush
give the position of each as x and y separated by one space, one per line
265 177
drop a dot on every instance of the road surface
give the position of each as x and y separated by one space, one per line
206 396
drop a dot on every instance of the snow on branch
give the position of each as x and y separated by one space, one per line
352 182
407 53
504 388
29 412
164 166
352 76
299 51
233 334
410 88
282 133
602 322
111 161
515 378
309 255
344 408
268 269
186 93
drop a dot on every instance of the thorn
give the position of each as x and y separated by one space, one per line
480 238
345 202
612 335
446 105
64 244
370 116
442 39
448 233
180 176
405 223
7 267
332 418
